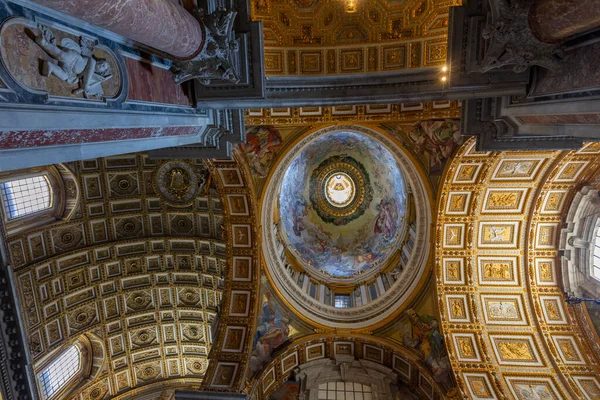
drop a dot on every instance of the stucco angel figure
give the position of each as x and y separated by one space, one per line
71 62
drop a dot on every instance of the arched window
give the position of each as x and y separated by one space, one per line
37 196
596 252
26 196
60 372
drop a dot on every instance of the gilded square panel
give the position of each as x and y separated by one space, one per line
545 271
515 350
37 246
289 362
570 171
310 111
345 348
503 201
426 386
352 60
268 379
281 112
378 109
589 385
373 353
344 110
552 308
554 201
467 173
242 269
311 62
454 236
123 380
454 271
466 347
241 235
238 204
458 203
568 349
458 311
545 236
526 388
239 305
234 339
402 366
498 271
274 62
479 386
231 177
315 351
435 51
393 57
224 375
503 309
498 234
517 169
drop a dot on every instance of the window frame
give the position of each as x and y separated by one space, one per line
47 215
34 213
85 358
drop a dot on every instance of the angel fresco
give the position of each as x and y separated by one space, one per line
387 217
262 144
439 139
71 62
271 333
425 337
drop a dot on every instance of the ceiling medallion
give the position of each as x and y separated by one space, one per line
340 190
177 182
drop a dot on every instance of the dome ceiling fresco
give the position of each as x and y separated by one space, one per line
337 214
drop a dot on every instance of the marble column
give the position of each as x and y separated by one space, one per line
160 24
554 21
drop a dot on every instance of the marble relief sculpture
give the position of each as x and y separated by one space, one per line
216 61
71 63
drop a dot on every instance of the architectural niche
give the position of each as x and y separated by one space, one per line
578 243
345 368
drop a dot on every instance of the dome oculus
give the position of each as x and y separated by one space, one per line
339 189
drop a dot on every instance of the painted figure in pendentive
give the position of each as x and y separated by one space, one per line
72 63
426 338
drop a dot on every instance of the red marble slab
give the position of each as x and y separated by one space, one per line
566 119
25 139
153 84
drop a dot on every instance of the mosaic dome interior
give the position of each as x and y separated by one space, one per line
338 215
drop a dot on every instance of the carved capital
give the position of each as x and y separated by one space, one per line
510 40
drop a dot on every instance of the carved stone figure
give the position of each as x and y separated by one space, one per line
216 61
511 41
72 63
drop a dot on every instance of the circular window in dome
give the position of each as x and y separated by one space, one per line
339 190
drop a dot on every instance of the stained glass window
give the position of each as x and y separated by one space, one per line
25 196
56 375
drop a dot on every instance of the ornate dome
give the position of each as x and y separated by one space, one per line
339 215
345 224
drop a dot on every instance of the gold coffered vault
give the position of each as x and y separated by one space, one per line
322 37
